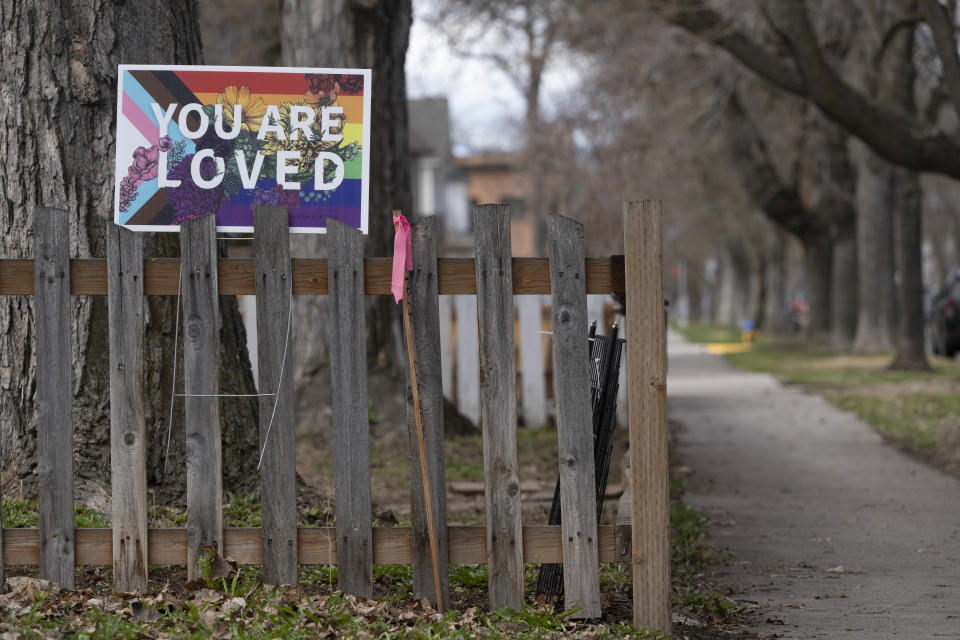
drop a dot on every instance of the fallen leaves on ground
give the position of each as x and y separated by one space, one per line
37 608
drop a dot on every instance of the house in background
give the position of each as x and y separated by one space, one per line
449 187
439 186
501 178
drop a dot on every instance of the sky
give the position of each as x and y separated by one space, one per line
485 108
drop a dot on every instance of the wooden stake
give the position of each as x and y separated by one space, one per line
421 443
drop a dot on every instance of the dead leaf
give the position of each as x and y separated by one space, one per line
292 595
114 604
23 590
223 631
220 567
209 617
144 612
233 604
10 635
168 600
207 595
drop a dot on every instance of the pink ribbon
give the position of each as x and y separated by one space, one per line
402 255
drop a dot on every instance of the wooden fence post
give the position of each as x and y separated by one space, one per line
498 405
128 426
424 309
533 405
571 389
647 397
201 365
52 313
446 346
278 476
351 423
468 372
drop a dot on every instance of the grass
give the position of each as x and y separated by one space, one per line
691 551
288 613
23 513
709 333
916 409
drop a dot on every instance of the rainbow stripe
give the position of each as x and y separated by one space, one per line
141 204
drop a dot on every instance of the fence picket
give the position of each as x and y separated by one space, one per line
201 364
571 389
468 370
51 302
128 427
498 405
446 343
533 405
424 307
278 480
351 425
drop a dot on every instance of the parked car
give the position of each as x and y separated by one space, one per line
944 317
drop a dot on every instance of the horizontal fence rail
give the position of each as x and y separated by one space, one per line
235 276
318 545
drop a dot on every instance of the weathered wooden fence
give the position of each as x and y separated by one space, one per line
493 277
459 345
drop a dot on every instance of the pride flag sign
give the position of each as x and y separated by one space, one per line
194 140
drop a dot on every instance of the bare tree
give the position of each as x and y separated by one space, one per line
358 34
58 97
815 204
520 38
887 121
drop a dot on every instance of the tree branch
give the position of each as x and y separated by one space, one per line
946 43
708 25
899 139
780 202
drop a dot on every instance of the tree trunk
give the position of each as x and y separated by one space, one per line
843 290
370 34
908 237
874 258
58 100
818 274
775 283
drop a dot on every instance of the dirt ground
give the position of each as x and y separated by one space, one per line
390 474
832 532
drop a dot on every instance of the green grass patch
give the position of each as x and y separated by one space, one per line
707 333
917 409
24 514
912 420
242 510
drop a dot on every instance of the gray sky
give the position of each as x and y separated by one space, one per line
485 107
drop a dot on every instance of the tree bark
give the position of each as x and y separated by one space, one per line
908 236
843 290
57 105
775 285
874 258
818 274
358 34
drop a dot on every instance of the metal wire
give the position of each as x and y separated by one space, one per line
283 363
173 382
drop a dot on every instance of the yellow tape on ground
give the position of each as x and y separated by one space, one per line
721 348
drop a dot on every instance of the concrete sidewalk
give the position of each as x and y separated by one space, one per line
833 533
